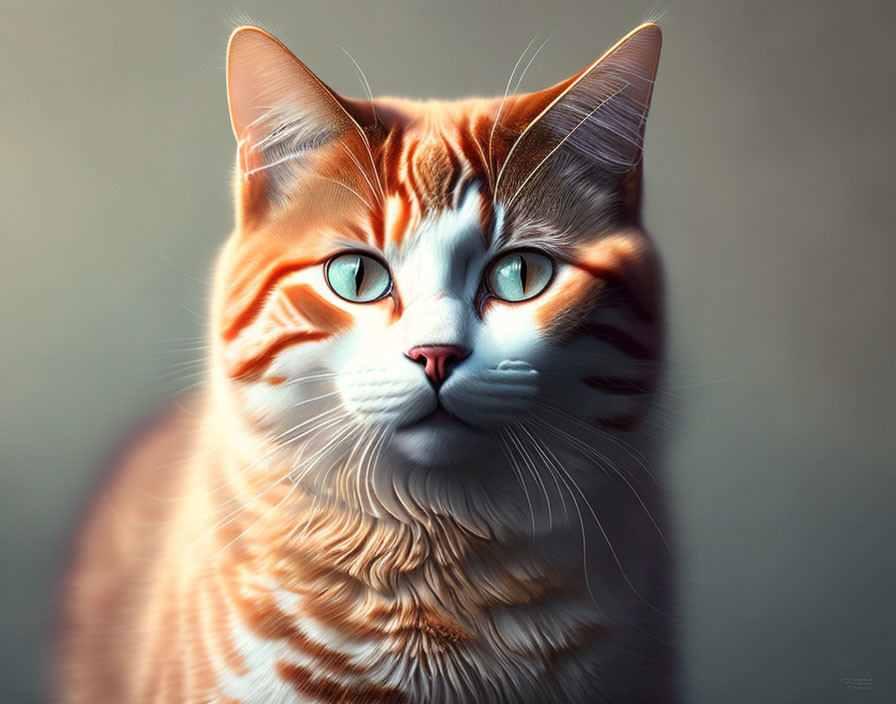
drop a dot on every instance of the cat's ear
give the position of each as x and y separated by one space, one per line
280 112
598 115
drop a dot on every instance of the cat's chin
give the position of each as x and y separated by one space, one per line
440 441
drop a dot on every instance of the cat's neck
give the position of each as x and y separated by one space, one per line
267 525
423 539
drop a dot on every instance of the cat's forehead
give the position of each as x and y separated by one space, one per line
450 234
433 160
440 159
432 152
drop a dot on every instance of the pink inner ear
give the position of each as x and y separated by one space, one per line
250 53
280 112
269 88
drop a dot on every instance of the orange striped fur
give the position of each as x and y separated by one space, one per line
308 527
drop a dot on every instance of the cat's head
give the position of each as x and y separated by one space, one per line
449 278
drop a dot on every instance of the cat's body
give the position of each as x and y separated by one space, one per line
422 480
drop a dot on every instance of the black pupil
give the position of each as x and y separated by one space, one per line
359 275
524 274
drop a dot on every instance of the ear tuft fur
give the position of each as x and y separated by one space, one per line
598 115
280 111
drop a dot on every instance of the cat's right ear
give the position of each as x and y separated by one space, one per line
280 112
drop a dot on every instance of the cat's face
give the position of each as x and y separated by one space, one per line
435 277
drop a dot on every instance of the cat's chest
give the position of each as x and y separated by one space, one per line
409 647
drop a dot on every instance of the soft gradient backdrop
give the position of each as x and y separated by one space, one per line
770 189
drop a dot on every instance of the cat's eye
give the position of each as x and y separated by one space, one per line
358 278
519 276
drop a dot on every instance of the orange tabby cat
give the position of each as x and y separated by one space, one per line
419 469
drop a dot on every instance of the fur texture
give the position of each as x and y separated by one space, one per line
322 522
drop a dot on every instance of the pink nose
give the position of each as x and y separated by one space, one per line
435 359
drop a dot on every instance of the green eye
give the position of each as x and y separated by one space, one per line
519 276
358 278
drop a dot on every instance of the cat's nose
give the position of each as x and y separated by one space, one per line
436 359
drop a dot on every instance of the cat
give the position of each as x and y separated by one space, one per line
421 469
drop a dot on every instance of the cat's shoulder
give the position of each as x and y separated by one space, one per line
135 494
111 553
152 458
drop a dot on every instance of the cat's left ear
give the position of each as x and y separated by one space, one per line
597 115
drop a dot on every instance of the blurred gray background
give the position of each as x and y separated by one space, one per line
770 189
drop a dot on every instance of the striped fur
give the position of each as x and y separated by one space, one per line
303 529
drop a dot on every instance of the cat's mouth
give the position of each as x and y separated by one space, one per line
439 416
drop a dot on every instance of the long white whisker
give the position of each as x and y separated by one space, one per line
491 135
230 517
219 484
534 56
533 472
537 445
283 159
364 84
305 467
243 532
609 543
575 502
613 466
311 377
633 452
519 474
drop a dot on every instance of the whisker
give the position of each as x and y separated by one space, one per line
537 445
219 484
311 377
178 376
634 491
534 56
508 452
181 271
533 473
632 451
609 543
360 464
376 444
242 508
243 532
491 135
364 84
200 316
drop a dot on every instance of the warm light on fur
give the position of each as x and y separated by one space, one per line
322 522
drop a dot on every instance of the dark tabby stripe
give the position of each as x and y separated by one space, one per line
616 385
619 339
625 423
326 690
